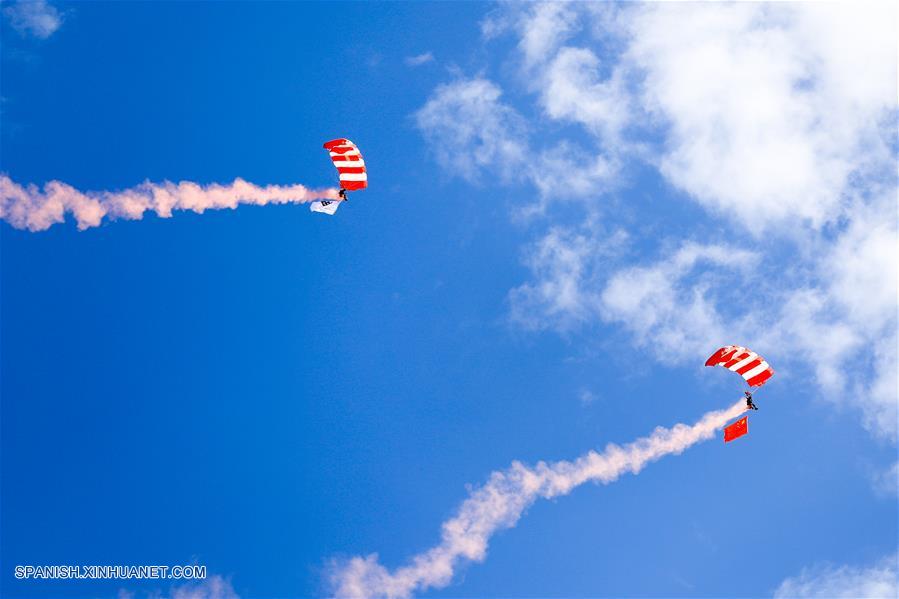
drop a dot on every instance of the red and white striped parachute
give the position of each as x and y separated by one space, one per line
349 163
744 362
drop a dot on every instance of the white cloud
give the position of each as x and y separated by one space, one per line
849 582
471 131
862 266
546 26
879 397
770 108
562 295
474 135
541 26
33 17
571 90
420 59
566 79
886 482
677 320
586 397
568 171
806 325
558 295
855 366
843 322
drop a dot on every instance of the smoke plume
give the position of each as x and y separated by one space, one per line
500 502
27 207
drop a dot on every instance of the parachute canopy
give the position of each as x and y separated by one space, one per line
349 163
744 362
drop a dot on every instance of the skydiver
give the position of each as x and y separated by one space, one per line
342 195
749 404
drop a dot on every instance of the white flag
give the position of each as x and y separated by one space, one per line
326 206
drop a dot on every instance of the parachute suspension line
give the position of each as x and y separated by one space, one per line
754 390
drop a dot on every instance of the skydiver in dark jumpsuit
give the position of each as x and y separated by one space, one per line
342 195
749 404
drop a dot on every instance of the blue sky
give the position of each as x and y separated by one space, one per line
570 207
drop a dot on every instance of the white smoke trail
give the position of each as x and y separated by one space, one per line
502 500
27 207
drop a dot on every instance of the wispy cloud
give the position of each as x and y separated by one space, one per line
475 135
562 293
886 481
587 397
500 503
572 90
878 580
28 207
672 317
472 131
542 27
572 286
35 18
420 59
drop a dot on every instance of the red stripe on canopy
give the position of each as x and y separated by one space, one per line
346 151
729 355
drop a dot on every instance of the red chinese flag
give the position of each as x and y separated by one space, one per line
737 429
